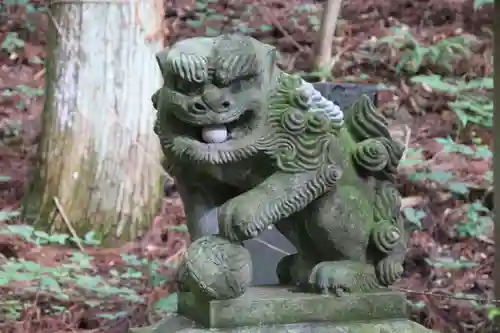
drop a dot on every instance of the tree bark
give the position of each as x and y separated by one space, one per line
323 46
496 177
99 157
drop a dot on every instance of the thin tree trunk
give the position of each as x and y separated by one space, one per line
99 157
496 178
326 33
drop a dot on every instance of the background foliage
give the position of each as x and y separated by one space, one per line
433 62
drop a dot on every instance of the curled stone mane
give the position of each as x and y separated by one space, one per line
301 139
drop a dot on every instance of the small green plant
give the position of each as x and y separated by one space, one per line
414 216
476 222
443 178
480 3
22 92
416 56
493 312
309 8
450 263
473 101
6 215
448 179
39 237
30 7
74 280
12 42
312 11
477 152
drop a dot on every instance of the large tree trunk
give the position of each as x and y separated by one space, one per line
99 159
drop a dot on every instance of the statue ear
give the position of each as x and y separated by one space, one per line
271 55
154 99
270 60
162 59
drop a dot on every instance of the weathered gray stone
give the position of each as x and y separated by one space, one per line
266 252
251 148
183 325
268 256
280 305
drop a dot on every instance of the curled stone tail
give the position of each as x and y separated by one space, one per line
394 151
387 202
385 236
364 122
388 271
371 155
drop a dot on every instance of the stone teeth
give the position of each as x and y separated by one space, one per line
237 134
214 134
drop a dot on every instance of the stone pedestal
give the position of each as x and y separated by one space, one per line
280 310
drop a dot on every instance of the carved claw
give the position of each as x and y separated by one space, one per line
229 233
250 230
323 280
342 277
236 222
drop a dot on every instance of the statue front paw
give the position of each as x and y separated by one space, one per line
324 280
341 277
237 221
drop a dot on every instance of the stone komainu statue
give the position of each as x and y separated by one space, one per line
251 146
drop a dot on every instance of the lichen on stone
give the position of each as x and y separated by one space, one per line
257 147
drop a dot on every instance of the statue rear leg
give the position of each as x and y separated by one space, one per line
295 268
340 225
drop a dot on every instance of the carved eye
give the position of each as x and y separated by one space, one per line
236 85
187 88
243 82
221 79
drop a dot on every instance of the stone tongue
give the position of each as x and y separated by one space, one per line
214 133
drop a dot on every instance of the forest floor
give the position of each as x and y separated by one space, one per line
445 179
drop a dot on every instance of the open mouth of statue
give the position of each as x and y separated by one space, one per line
236 129
221 132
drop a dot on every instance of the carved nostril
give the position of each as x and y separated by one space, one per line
199 107
226 104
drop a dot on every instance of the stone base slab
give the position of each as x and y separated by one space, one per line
177 324
281 310
278 305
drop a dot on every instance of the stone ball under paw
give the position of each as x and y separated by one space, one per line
214 267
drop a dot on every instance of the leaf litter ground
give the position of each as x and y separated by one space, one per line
445 268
